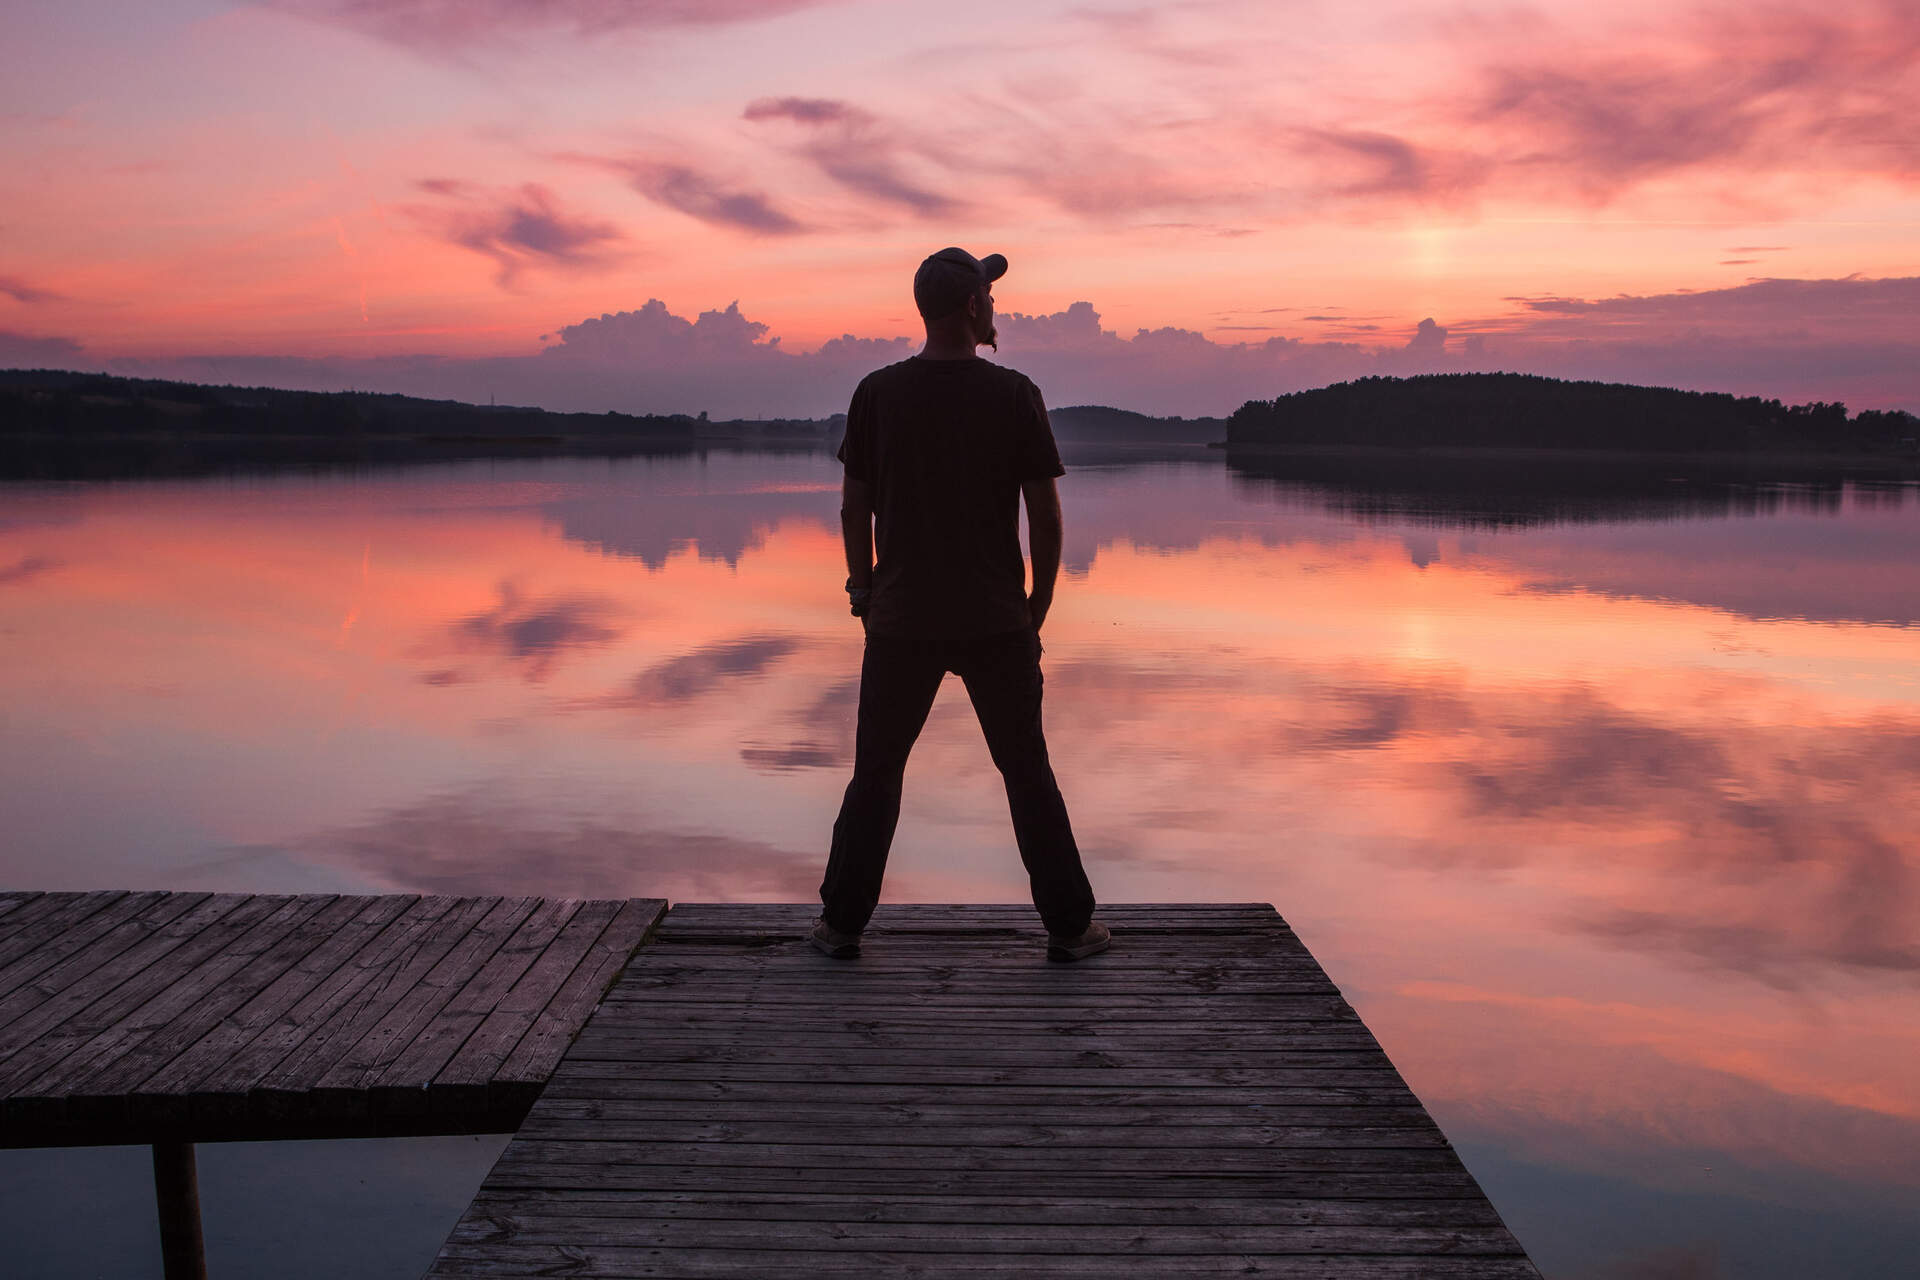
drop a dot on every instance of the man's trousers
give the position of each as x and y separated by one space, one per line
899 677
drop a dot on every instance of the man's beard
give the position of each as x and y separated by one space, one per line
990 339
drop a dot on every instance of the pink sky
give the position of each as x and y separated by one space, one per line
426 196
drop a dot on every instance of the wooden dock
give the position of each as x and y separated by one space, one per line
176 1018
1198 1101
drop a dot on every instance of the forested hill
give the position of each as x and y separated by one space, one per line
1099 423
43 402
1522 411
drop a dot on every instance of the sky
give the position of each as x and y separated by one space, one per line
687 205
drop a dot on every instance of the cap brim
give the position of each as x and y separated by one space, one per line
993 266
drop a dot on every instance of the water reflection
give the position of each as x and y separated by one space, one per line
1468 488
1598 805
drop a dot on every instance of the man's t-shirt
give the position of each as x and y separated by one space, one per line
946 445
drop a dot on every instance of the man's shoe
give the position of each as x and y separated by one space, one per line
830 941
1096 939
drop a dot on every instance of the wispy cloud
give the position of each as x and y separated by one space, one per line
517 229
20 291
688 676
699 194
451 25
1754 89
25 568
535 633
857 150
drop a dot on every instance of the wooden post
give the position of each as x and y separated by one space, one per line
177 1189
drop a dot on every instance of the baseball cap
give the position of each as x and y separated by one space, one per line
948 278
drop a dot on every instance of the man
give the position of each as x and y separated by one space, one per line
939 450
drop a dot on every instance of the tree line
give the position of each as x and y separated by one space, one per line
56 403
1514 410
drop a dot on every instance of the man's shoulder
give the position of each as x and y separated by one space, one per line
889 373
1008 375
913 368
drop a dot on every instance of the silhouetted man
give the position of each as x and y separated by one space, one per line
939 450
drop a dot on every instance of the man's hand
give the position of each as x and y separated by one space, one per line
1037 608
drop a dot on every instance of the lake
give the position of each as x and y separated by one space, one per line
1593 787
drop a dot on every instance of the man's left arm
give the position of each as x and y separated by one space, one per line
1045 534
1039 468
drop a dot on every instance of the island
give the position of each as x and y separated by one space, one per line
1516 411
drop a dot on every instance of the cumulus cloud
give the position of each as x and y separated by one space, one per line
518 229
653 332
1849 339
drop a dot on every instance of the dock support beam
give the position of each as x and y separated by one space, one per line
176 1187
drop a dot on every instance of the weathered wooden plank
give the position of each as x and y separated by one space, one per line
732 913
534 1059
971 1053
622 1087
295 1028
66 1052
1038 1160
48 1096
464 1259
11 901
851 1233
1095 986
209 1065
870 1136
344 1086
420 941
914 955
928 1037
900 1207
138 1017
48 917
78 941
1323 1070
1355 1184
163 956
122 1080
132 929
470 1073
748 917
1117 1017
739 1105
560 1115
403 1083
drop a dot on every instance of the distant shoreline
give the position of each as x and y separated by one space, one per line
57 425
1877 461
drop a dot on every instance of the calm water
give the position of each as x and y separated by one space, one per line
1595 793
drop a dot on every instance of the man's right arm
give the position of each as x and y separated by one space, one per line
856 529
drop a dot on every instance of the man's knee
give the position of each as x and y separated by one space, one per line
1024 765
